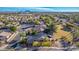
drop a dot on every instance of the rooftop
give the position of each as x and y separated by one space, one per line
5 34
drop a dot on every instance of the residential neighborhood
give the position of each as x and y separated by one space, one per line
39 31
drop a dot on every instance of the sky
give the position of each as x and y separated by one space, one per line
39 9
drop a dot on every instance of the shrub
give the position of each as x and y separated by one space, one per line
36 44
46 44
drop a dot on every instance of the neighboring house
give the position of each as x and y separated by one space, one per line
38 37
5 35
56 18
5 29
28 29
40 27
37 17
61 19
2 38
76 24
10 18
1 24
25 26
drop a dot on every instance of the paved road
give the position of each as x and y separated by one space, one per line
50 49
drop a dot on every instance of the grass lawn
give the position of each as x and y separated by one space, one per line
61 33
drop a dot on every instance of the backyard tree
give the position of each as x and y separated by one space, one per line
37 22
23 41
13 28
34 32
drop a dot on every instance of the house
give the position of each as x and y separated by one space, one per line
61 19
56 18
1 24
25 26
5 35
5 29
28 29
2 38
38 37
40 27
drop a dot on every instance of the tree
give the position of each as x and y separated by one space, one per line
34 32
23 41
50 29
13 28
23 34
31 32
30 21
48 21
37 22
47 31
